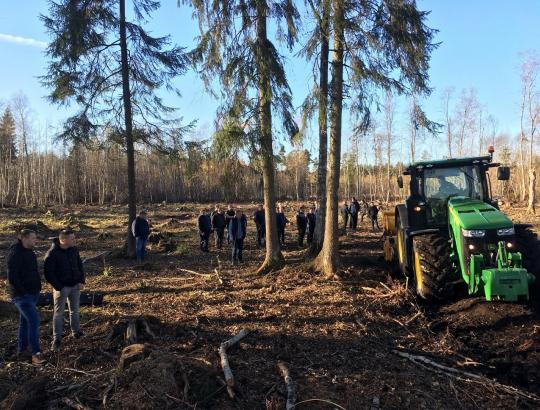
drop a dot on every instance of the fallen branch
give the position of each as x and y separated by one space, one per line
291 392
463 375
101 256
218 277
74 404
229 377
208 275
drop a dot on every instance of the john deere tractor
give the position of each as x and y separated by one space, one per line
449 233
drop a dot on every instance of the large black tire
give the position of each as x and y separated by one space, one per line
528 244
433 267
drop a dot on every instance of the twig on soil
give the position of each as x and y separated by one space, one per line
229 378
74 404
466 376
320 400
412 319
291 391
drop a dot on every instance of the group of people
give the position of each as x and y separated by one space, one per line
63 270
234 223
350 212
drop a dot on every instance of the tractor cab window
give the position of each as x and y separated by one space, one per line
440 184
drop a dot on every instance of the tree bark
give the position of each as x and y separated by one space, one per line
328 259
274 258
318 237
128 119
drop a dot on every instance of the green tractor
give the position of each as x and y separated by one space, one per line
450 233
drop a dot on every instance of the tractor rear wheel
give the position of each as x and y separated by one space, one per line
528 244
433 267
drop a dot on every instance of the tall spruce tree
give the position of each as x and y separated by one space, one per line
112 69
376 44
8 137
234 48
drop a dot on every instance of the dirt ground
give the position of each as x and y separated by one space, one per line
344 341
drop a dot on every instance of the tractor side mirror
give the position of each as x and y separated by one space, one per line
503 173
400 181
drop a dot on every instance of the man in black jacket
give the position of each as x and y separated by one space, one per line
345 212
218 224
354 209
237 233
258 218
140 228
64 271
205 229
24 284
373 212
301 224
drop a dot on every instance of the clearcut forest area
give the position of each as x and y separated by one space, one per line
344 341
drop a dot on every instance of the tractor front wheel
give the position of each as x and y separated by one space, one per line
433 267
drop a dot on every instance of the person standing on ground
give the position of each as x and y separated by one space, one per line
301 224
345 212
282 222
311 221
373 212
64 271
237 233
205 229
259 219
24 285
140 228
229 216
354 209
363 209
218 225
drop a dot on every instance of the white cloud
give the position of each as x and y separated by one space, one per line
8 38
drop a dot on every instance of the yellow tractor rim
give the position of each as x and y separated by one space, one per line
418 272
400 247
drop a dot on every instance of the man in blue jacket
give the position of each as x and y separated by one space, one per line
205 229
237 233
24 285
140 228
64 271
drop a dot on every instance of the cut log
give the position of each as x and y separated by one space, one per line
229 377
289 383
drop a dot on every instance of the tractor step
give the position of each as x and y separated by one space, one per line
507 284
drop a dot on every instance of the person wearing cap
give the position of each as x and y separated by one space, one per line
140 228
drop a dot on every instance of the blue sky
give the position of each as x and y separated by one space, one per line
480 47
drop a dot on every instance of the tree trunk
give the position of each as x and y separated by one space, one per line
273 258
130 151
328 259
531 209
318 237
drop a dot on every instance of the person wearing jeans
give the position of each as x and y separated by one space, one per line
24 285
64 271
140 228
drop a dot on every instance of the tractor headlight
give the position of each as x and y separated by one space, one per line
506 231
473 233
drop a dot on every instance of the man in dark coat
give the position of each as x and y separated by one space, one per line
64 271
311 220
281 221
140 228
345 212
373 212
24 285
354 209
205 229
301 224
259 219
218 225
229 216
363 209
237 233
